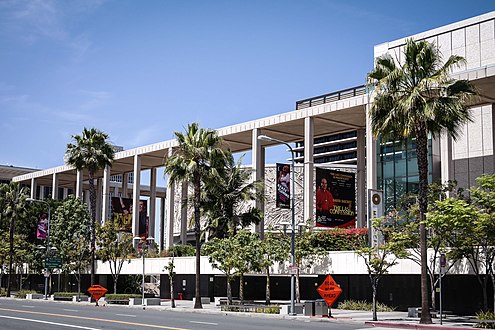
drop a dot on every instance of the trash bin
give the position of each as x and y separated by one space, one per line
309 308
321 308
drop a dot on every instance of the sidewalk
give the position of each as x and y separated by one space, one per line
397 320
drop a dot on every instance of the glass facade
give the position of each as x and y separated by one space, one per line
397 170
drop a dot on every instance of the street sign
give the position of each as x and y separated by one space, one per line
293 270
53 262
329 290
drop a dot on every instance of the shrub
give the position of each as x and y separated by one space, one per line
340 239
488 316
65 294
180 251
121 296
22 293
362 305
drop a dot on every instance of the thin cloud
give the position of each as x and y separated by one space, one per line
94 99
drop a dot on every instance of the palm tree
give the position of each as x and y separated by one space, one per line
225 197
13 208
415 99
197 157
92 152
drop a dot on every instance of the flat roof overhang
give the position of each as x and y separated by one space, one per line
329 118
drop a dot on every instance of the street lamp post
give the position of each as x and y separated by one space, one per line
47 251
293 222
145 243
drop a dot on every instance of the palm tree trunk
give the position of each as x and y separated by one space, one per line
92 202
11 254
197 234
422 154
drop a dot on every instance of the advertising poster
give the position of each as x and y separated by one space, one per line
42 227
122 215
283 186
335 198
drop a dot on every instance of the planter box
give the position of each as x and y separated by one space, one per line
147 301
82 298
204 300
34 296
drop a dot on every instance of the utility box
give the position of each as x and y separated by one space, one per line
309 308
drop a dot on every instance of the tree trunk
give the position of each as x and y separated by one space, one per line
433 284
374 288
197 234
493 286
229 290
422 154
172 293
92 226
115 279
241 288
267 286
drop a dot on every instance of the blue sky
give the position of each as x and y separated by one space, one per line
140 70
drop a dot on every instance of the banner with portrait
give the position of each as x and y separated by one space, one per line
122 215
283 186
335 198
42 226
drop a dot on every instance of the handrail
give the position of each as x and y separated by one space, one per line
330 97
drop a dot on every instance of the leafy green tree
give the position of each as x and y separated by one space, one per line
235 256
92 152
222 254
13 209
170 269
384 254
225 198
69 233
306 254
412 100
197 157
274 248
115 248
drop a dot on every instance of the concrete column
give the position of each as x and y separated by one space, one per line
151 223
258 166
55 186
42 192
79 184
183 213
309 189
170 209
33 188
446 163
105 205
493 134
370 154
162 223
136 194
99 199
125 183
361 179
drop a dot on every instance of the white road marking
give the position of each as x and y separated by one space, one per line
70 310
208 323
126 315
46 322
27 306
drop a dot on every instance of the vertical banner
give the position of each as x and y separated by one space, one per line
122 213
283 186
335 198
143 219
42 227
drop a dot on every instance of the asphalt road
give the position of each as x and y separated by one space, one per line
34 314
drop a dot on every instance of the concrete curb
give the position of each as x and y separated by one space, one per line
415 326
